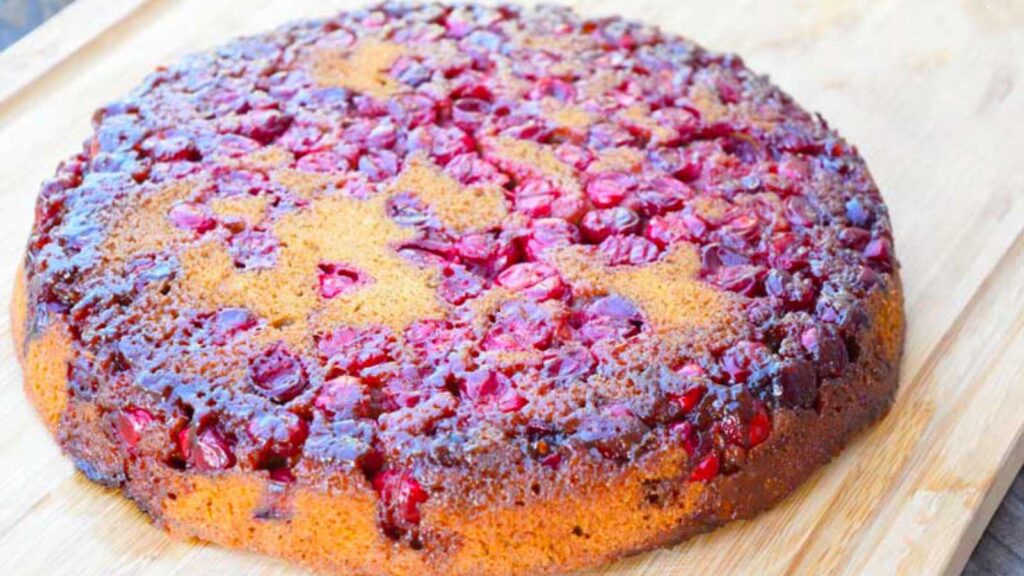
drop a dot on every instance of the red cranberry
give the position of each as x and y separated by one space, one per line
552 88
412 109
662 195
609 317
343 397
610 188
130 424
276 437
546 233
796 384
600 224
740 361
379 165
856 238
795 292
705 469
511 401
743 280
400 499
569 363
348 350
879 253
432 340
278 374
800 213
714 256
205 449
533 280
828 350
520 326
264 126
619 250
552 460
469 113
687 436
189 216
688 400
459 285
615 433
669 229
760 426
336 279
483 385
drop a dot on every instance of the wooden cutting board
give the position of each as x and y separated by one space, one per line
930 91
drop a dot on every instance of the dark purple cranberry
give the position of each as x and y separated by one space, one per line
794 291
796 385
206 448
130 424
828 350
600 224
879 253
740 361
276 437
620 250
278 374
615 433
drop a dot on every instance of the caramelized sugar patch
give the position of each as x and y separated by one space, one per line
366 68
358 234
455 206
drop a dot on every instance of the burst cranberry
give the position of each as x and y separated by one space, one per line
278 374
569 363
130 424
189 216
469 113
344 397
759 427
714 256
547 233
609 317
483 385
511 401
799 212
379 165
459 285
669 229
687 436
335 279
609 189
520 326
796 384
740 361
533 280
660 196
600 224
743 280
619 250
705 469
828 350
276 437
400 499
856 238
795 292
615 433
206 448
349 350
688 400
879 253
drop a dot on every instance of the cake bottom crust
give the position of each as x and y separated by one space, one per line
333 527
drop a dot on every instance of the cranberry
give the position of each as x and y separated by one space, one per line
130 424
759 427
520 326
400 498
412 109
600 224
714 256
800 213
547 233
795 292
511 401
828 350
687 436
459 285
618 250
469 113
379 165
569 363
343 397
688 400
740 361
482 386
335 279
253 250
609 317
856 238
533 280
610 188
325 161
278 374
264 126
349 350
276 437
662 195
189 216
171 147
879 253
858 214
614 433
206 448
669 229
229 322
705 469
743 280
796 384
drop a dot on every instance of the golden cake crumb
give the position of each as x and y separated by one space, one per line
270 157
623 159
455 206
366 68
142 225
307 184
538 159
346 231
248 209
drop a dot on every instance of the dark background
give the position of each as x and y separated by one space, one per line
1000 551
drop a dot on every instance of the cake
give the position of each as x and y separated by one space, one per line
460 290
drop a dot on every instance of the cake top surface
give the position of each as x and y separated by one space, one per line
413 242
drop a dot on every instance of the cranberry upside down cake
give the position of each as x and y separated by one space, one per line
424 290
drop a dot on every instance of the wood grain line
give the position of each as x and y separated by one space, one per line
1014 251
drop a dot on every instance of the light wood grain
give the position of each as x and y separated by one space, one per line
931 93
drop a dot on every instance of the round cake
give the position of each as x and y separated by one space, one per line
458 290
